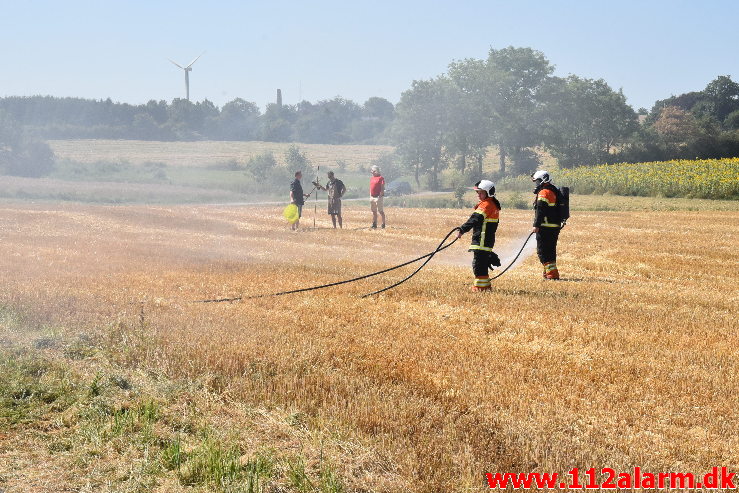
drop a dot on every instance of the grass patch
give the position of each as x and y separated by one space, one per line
214 463
31 388
114 429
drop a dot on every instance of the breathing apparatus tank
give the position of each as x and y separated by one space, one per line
564 204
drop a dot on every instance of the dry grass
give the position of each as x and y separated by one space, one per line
631 360
204 153
107 192
73 420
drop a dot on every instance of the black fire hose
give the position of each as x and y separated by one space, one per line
515 258
439 249
428 256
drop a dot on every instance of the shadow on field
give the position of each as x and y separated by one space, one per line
592 279
537 293
310 229
378 228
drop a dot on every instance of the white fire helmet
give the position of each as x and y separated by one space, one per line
485 185
540 177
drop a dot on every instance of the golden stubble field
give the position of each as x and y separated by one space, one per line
630 360
209 152
203 153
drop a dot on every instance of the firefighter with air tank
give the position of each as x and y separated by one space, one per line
551 210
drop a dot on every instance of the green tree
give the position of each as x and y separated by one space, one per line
513 79
716 102
470 129
388 166
504 97
379 108
468 133
366 130
587 120
10 131
420 126
261 165
144 127
276 123
722 96
517 77
238 120
732 120
297 160
376 116
327 122
20 156
157 110
182 119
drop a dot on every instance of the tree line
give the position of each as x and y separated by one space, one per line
334 121
510 100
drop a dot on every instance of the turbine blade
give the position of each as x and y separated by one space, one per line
196 59
176 63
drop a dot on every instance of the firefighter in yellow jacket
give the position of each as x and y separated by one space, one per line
547 222
483 222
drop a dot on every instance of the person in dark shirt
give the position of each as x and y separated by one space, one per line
336 190
297 197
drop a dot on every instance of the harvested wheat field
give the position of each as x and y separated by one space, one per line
630 360
204 153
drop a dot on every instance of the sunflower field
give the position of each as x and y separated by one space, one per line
700 178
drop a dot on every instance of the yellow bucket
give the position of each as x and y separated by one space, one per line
291 213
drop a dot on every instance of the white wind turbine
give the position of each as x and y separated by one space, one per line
187 70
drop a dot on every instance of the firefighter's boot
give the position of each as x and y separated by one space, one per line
482 283
550 271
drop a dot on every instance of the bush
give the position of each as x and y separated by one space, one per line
427 202
525 162
389 168
297 160
259 166
517 201
32 159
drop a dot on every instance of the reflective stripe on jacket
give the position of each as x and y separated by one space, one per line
545 206
483 222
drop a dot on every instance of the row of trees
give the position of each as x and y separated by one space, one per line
512 101
334 121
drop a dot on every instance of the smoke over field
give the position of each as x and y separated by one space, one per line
631 359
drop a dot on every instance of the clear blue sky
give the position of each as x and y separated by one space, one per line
319 49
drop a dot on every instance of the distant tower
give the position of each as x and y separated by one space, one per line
279 98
